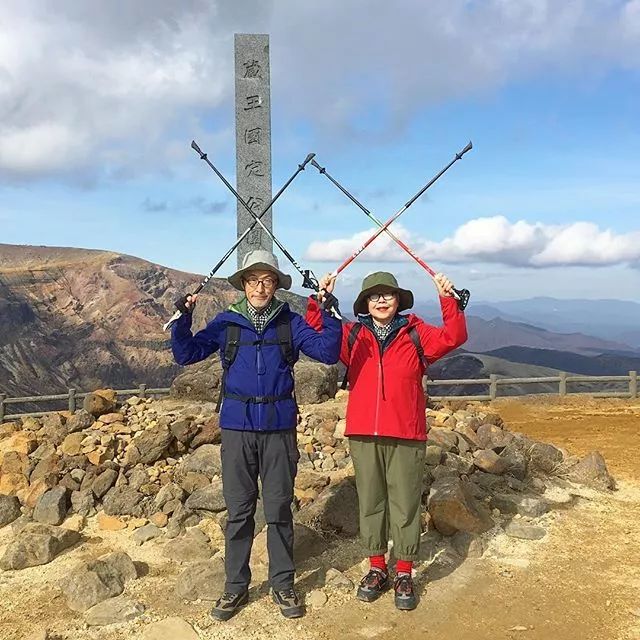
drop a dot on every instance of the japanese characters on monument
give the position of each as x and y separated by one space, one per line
253 137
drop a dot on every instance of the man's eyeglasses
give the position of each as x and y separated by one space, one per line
267 282
387 297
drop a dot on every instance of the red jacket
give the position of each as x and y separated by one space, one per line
386 396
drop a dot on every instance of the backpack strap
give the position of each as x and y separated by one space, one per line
415 338
351 339
285 339
228 355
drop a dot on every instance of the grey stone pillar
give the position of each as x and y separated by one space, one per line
253 137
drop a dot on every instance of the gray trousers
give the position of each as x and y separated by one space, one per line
272 456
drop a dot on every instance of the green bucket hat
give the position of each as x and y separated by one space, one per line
381 281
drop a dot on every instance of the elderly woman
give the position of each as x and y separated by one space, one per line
386 354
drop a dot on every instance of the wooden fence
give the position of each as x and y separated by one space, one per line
492 382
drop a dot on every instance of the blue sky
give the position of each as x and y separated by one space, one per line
100 105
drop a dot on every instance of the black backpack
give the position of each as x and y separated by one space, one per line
232 343
353 334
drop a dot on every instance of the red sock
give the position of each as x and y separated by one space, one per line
404 566
378 562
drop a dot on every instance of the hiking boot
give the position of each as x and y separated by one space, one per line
289 603
405 596
373 585
228 604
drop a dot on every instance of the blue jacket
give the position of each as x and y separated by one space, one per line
258 370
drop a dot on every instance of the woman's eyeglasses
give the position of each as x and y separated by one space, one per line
387 297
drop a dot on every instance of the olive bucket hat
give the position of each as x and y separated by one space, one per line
258 260
381 281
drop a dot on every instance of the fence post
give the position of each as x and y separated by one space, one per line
633 384
2 397
493 386
143 391
562 389
72 400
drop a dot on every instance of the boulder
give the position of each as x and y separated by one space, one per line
208 433
188 549
453 508
97 580
489 461
150 445
199 382
36 544
545 457
9 509
122 500
335 509
446 439
489 436
113 611
52 506
201 580
79 421
592 471
315 382
207 499
103 482
146 533
204 460
100 402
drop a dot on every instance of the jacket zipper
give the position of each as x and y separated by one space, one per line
259 367
379 394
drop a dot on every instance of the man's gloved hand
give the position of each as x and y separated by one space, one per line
186 303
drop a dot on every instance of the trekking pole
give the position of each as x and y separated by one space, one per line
246 232
461 295
396 215
309 281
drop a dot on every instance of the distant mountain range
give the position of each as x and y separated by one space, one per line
615 320
496 333
84 318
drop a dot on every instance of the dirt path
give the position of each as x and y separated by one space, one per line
581 425
581 582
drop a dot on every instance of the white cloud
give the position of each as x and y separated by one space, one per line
109 88
496 240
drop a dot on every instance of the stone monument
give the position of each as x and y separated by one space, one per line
253 137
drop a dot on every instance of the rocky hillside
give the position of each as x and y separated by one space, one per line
87 319
151 470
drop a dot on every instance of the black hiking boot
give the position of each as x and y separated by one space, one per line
405 596
373 585
228 604
289 603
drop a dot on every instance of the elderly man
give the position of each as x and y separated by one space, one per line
260 339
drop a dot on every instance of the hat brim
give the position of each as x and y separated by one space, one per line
284 280
361 307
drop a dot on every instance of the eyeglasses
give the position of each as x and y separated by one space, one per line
387 297
267 282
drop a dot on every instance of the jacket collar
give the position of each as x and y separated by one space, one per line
238 312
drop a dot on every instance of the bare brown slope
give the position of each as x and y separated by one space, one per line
74 317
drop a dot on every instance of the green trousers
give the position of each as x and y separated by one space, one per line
389 474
